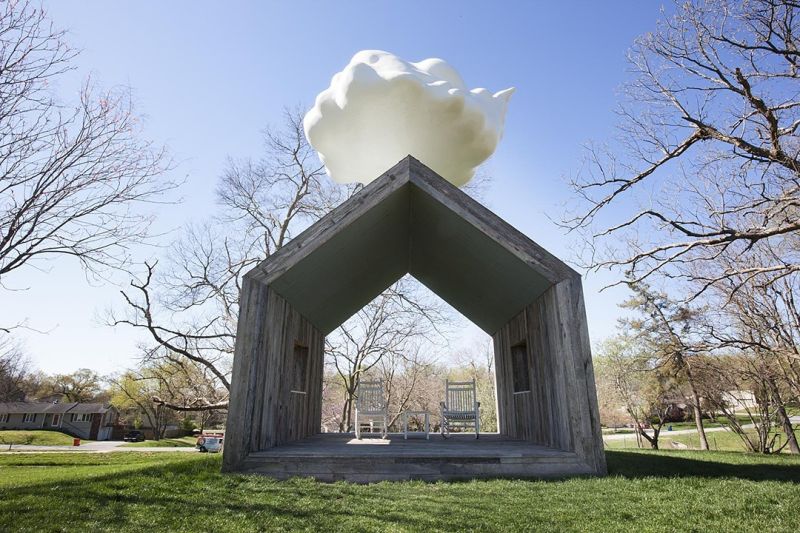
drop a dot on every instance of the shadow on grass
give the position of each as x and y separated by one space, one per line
643 464
161 495
179 493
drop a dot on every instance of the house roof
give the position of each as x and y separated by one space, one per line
89 408
411 220
52 408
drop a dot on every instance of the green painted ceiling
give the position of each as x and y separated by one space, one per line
410 231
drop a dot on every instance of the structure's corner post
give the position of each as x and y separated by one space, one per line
587 434
247 356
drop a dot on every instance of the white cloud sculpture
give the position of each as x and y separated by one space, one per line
381 108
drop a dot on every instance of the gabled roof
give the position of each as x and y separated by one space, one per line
53 408
411 220
90 408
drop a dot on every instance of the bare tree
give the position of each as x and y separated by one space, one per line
729 376
709 148
643 387
477 362
403 375
190 309
760 323
69 176
186 386
383 339
15 368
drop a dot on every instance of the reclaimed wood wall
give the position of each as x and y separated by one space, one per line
560 408
276 387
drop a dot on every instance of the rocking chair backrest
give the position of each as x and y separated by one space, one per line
460 396
370 397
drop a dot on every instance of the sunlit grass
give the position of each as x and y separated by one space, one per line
717 441
135 491
36 437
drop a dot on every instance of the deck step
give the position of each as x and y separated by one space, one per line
328 458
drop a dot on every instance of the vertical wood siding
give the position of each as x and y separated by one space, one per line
560 410
264 411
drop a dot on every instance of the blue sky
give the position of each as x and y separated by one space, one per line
210 76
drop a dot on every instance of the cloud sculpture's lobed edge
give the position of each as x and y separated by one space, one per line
381 108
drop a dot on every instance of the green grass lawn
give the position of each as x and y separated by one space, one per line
617 431
717 440
37 438
720 421
646 491
182 442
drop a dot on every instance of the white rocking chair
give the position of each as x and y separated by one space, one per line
461 408
371 408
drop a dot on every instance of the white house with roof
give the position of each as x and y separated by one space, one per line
92 421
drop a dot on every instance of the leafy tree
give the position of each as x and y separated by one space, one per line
83 385
668 332
630 377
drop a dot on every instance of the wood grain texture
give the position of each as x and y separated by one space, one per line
276 392
334 457
560 411
264 412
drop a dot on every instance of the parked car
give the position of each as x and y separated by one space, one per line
209 443
134 436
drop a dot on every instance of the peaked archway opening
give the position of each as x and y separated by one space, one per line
411 220
410 341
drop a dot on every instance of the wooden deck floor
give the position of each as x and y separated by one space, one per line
333 456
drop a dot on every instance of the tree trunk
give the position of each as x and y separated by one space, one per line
652 440
698 413
347 413
783 419
698 421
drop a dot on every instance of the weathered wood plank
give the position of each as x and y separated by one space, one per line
277 379
263 411
246 363
561 409
331 457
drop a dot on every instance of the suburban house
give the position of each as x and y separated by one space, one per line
93 421
740 400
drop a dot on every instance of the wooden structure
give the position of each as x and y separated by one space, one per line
371 407
410 220
460 408
337 456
